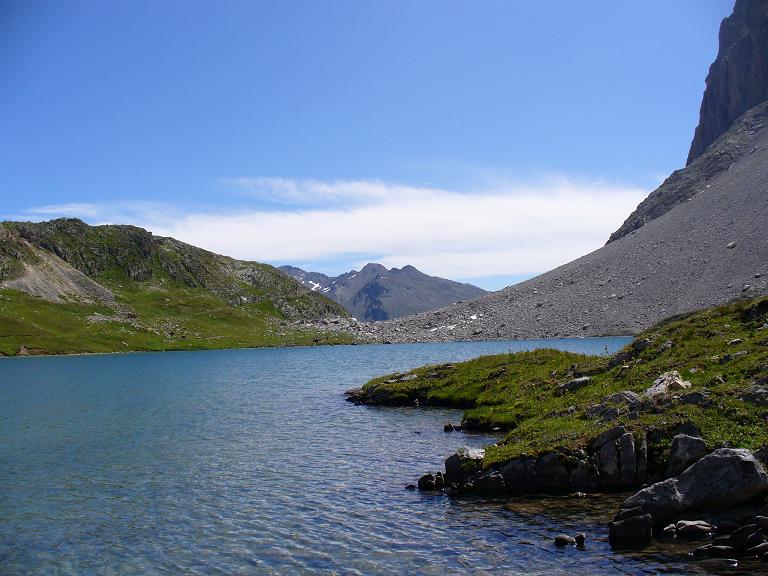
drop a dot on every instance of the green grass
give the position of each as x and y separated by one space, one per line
516 392
167 317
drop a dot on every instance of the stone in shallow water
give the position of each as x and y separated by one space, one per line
634 531
561 540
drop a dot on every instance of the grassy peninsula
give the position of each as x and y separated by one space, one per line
722 352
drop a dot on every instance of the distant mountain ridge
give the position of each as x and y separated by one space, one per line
378 293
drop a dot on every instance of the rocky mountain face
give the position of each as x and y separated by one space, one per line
707 250
737 82
378 293
738 78
68 260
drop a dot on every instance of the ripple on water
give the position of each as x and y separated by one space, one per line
250 461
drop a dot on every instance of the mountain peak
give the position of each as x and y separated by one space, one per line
738 78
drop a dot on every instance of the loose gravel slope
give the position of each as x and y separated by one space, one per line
710 249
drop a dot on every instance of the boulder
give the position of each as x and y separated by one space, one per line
609 435
665 384
696 398
462 464
724 478
694 530
572 385
552 474
561 540
621 461
712 551
427 483
685 451
633 531
627 460
759 550
625 397
756 395
489 483
608 464
742 538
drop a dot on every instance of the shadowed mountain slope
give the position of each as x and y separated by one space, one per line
376 293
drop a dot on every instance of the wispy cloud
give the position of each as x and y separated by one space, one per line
511 229
310 193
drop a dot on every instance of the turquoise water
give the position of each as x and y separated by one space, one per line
251 462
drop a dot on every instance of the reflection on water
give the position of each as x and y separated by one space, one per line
250 461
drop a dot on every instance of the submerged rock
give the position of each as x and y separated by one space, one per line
562 540
633 531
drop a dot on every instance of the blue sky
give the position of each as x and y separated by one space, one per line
460 137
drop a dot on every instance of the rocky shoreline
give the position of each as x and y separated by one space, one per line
694 480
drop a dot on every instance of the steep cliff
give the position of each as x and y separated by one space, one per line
738 78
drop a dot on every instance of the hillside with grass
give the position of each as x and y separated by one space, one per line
552 401
67 287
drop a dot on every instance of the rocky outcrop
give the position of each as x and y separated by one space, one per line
614 460
378 293
723 479
738 78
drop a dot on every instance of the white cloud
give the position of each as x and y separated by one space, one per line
512 229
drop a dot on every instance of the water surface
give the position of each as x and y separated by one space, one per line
250 462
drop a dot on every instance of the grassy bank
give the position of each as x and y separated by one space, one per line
172 318
721 351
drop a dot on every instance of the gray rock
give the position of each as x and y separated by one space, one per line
608 464
552 474
426 483
665 384
698 398
561 540
744 537
685 451
572 385
625 513
627 460
608 436
633 531
756 395
626 397
463 464
641 448
694 529
759 550
489 483
724 478
712 551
